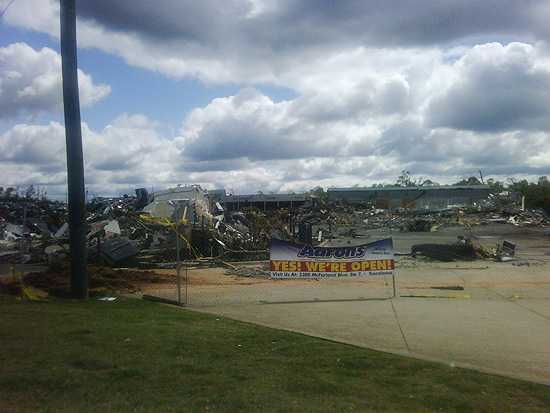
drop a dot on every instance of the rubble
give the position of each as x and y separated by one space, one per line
462 250
141 231
505 251
466 249
27 226
119 251
259 270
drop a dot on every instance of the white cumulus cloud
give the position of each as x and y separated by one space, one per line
30 82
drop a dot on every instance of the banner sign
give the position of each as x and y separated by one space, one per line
291 260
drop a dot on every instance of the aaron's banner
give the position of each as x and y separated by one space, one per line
291 260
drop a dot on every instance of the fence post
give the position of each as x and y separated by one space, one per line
178 259
394 287
186 285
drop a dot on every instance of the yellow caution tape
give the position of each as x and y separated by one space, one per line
32 294
168 223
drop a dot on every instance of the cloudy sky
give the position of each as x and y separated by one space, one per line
264 95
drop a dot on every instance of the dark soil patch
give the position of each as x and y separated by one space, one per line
101 279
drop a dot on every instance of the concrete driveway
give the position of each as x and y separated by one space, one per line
499 323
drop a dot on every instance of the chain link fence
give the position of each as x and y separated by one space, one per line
221 283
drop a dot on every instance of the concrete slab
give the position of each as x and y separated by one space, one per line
493 336
289 291
539 306
497 335
499 323
363 323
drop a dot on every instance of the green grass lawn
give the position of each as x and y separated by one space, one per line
132 355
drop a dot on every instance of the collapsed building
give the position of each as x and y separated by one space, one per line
414 198
264 202
142 230
191 202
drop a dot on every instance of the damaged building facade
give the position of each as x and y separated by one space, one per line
193 200
263 202
414 198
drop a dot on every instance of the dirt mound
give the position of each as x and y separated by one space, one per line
101 280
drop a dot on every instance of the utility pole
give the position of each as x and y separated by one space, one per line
75 163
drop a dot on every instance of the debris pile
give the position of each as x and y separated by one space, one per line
255 271
467 249
516 217
28 227
339 220
462 250
152 230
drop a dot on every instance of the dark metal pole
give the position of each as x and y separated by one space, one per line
178 247
75 164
